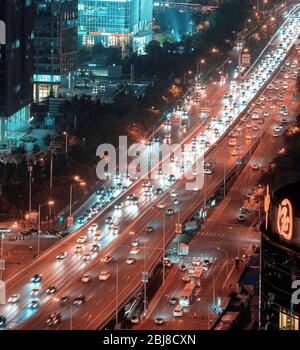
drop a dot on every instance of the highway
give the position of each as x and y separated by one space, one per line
222 230
101 301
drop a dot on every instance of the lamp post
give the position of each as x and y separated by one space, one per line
227 260
50 204
184 76
80 183
29 167
1 257
66 145
201 62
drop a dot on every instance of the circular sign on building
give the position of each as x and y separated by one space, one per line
285 219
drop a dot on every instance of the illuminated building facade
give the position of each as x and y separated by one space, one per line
280 261
55 46
122 23
16 68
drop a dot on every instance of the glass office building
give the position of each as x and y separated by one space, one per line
55 46
123 23
16 68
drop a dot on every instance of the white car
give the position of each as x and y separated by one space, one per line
130 260
82 239
104 275
86 278
15 298
255 166
97 237
161 205
93 228
135 243
173 194
87 257
134 250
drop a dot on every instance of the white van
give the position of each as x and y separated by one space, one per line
232 142
178 311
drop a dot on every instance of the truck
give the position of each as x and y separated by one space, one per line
191 225
183 249
187 294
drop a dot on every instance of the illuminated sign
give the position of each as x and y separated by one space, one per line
285 219
46 78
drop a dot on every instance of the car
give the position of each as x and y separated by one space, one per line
2 321
109 220
135 250
78 249
135 243
158 191
82 239
173 301
178 311
64 300
191 269
241 218
134 320
51 290
115 229
196 262
173 194
107 259
149 229
85 278
167 262
79 300
34 304
159 321
182 267
161 206
232 142
15 298
255 166
176 202
93 227
119 206
95 248
36 278
130 260
234 153
54 319
97 237
61 255
169 212
35 292
87 257
104 275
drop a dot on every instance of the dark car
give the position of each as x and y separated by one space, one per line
64 300
150 229
54 319
173 301
169 212
51 290
34 304
95 248
2 321
36 278
79 300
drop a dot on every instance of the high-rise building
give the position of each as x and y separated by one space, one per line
280 261
55 46
123 23
16 68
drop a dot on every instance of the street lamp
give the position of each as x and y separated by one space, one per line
66 147
184 76
80 183
50 204
227 259
201 62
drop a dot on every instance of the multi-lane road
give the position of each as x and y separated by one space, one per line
101 300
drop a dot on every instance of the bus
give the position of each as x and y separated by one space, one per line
187 294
